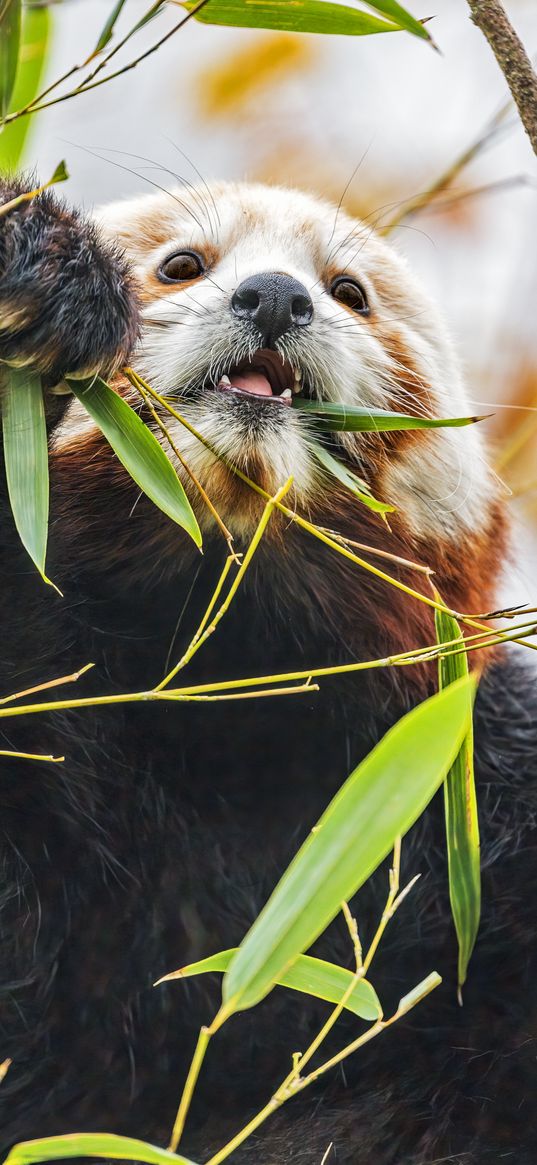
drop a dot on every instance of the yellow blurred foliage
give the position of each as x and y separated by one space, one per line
227 88
516 433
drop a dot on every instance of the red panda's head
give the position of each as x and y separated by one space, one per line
253 294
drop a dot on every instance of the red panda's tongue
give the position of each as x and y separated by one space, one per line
251 381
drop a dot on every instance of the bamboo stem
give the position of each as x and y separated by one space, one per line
310 527
294 1082
492 20
206 691
203 632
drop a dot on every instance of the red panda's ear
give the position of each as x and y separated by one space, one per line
68 301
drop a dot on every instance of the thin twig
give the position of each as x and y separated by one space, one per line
295 1082
225 688
195 480
204 631
85 88
31 756
190 1084
49 684
310 527
445 180
492 20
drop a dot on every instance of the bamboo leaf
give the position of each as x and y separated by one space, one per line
381 799
350 480
309 976
108 29
399 16
60 174
91 1145
330 418
34 46
138 450
299 16
10 31
462 825
149 15
26 459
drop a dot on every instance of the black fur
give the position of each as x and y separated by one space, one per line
162 835
67 299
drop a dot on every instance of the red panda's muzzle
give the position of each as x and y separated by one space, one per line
264 376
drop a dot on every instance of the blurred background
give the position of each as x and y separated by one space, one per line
376 120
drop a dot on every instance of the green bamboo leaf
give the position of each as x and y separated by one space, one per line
399 16
381 799
60 174
34 48
108 29
10 32
149 15
309 976
350 480
298 16
138 450
91 1145
462 825
26 459
331 418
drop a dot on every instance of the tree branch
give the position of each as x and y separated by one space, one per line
490 17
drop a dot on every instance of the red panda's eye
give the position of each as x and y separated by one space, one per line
350 293
180 267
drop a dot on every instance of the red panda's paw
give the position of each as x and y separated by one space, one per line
68 303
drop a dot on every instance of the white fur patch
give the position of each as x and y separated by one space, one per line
190 335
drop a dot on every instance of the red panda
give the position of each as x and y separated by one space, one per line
162 835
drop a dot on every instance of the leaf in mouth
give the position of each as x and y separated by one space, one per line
333 417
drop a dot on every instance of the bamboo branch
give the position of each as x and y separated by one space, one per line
85 86
492 20
316 531
295 1082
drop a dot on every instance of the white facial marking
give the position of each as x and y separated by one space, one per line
192 340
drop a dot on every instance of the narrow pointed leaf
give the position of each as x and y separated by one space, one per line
462 825
138 450
91 1145
381 799
298 16
108 29
60 174
26 459
350 480
399 16
34 48
330 418
309 976
149 15
10 32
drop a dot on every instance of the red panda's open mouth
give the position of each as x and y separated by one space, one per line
265 376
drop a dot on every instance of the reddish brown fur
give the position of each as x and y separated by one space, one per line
373 618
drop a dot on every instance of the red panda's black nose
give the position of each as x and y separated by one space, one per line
274 303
